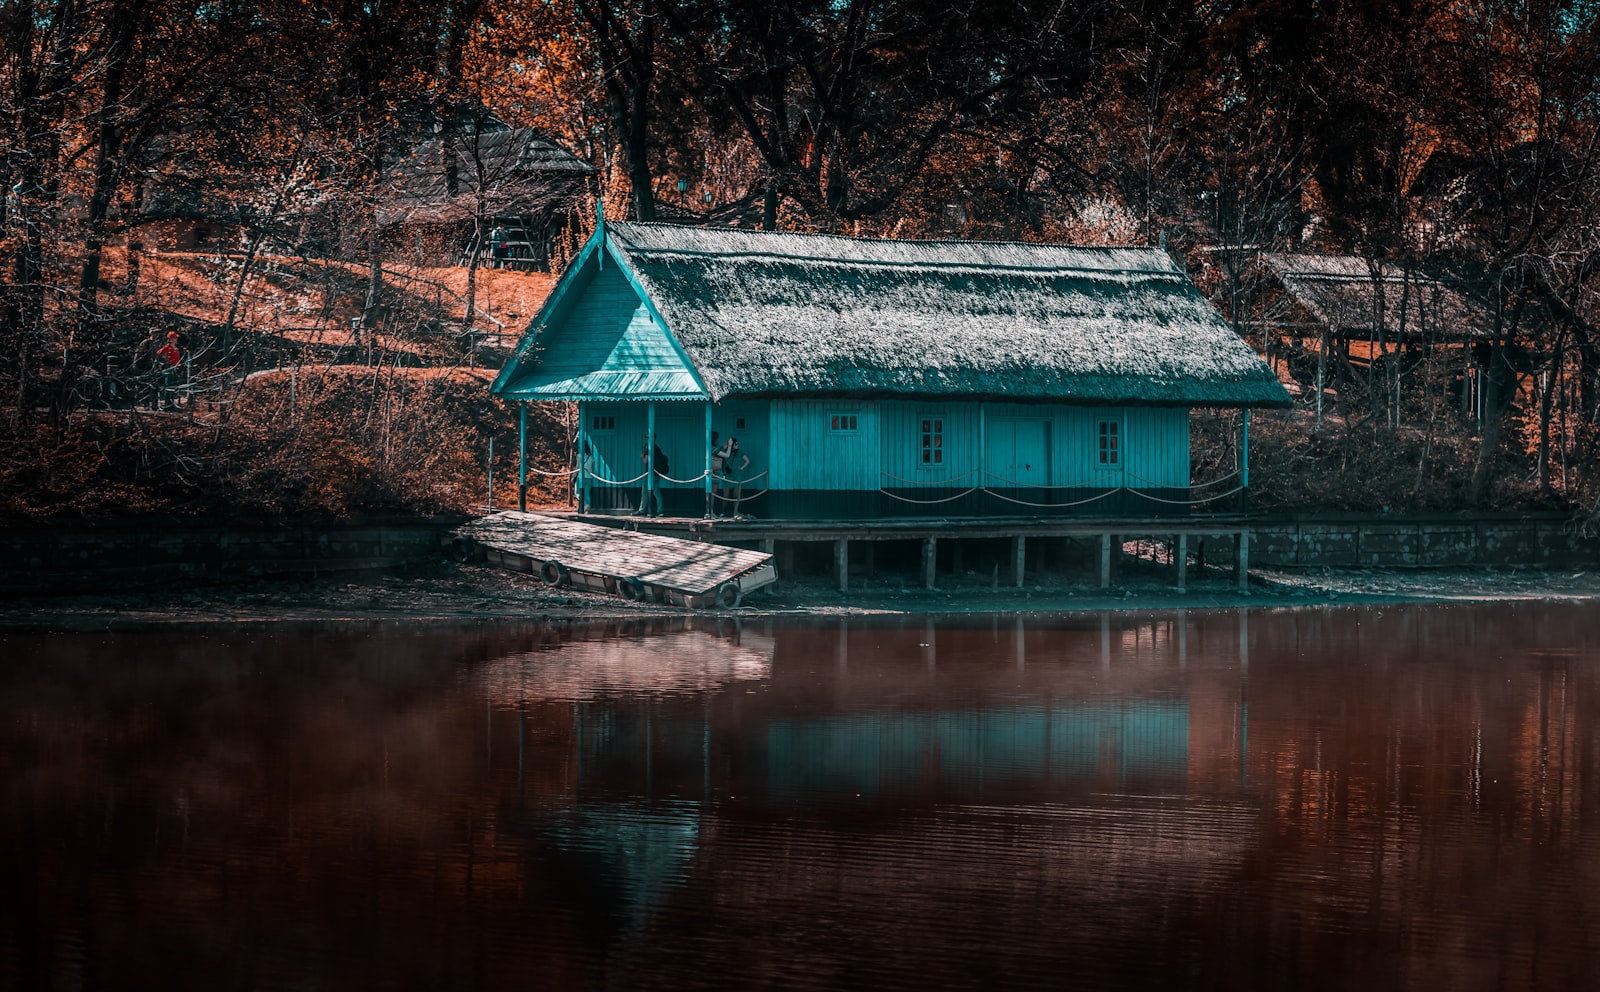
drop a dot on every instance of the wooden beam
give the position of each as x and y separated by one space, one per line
1180 559
1243 564
841 562
1105 560
1019 558
930 560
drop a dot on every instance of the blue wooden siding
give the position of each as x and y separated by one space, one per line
1041 455
1022 446
607 341
808 454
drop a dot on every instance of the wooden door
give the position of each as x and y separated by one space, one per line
1019 453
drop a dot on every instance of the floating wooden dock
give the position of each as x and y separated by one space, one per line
627 563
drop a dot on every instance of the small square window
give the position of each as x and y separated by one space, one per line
1110 443
602 424
842 423
931 440
738 423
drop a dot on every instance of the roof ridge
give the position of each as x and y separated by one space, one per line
1171 271
668 225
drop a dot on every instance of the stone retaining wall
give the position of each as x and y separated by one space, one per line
67 558
1551 541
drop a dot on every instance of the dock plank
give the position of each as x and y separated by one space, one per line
690 567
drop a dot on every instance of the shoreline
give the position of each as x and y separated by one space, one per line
475 594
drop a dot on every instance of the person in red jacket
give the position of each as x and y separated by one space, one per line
168 358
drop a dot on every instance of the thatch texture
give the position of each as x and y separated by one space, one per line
522 172
800 314
1339 291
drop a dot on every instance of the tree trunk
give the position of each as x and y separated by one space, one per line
1499 388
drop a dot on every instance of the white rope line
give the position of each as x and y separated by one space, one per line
739 482
1093 483
928 502
570 471
594 477
683 482
930 482
1185 502
1023 502
1192 485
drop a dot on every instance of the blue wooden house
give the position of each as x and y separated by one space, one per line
873 378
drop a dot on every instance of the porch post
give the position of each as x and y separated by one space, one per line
583 481
1242 566
1244 462
930 560
650 457
1019 557
710 508
522 456
1180 558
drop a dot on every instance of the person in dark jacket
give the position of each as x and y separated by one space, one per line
655 463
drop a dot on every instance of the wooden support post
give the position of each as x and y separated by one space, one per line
1243 564
711 508
522 456
1105 560
769 545
841 562
930 560
1019 558
1244 462
1180 559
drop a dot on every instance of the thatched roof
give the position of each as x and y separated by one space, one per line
1339 291
521 169
781 314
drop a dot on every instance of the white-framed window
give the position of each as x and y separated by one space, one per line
1109 443
602 423
930 441
843 423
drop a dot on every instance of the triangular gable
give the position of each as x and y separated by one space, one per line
597 337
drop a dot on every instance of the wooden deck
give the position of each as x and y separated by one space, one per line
1108 532
621 562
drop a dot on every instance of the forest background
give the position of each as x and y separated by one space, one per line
329 372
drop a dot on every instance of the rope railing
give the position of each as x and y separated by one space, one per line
1186 502
1193 485
564 472
597 477
1023 502
1092 483
926 482
724 480
929 502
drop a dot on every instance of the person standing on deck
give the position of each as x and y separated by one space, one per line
734 462
655 461
716 472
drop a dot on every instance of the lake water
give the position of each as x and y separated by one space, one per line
1374 798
